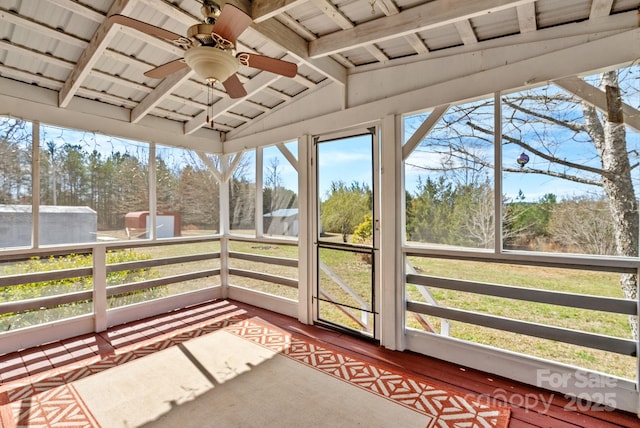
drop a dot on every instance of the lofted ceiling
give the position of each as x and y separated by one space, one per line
69 48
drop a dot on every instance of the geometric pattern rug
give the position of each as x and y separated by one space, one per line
250 364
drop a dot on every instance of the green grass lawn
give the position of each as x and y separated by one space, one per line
355 271
566 280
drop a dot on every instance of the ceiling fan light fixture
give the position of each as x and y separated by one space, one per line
210 48
210 63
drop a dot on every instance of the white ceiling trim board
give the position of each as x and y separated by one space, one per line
28 102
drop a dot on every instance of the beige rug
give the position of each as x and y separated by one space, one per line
239 372
223 380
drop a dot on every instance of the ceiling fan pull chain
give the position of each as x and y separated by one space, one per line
208 100
210 103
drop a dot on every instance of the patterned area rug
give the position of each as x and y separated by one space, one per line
236 372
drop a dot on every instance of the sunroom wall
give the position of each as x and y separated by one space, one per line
476 75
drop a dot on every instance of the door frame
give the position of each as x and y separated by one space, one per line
374 133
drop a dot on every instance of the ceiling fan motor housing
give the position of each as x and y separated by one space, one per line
201 34
211 63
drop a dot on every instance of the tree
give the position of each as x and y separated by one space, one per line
585 224
198 193
430 212
543 122
130 190
15 161
527 222
606 132
345 207
274 195
363 233
474 212
242 197
71 166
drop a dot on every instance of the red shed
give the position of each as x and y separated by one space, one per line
168 224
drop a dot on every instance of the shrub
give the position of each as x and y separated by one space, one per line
13 320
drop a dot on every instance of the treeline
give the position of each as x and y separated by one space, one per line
441 212
118 183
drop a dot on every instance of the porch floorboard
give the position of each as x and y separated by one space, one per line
54 356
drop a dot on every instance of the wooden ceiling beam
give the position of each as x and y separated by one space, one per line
333 13
288 40
92 53
298 28
48 59
262 10
465 30
388 7
78 9
600 8
41 28
427 16
163 90
527 17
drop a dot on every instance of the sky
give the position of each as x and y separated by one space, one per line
347 160
350 160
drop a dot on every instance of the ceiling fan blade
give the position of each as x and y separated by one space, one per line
234 87
231 22
166 69
144 27
266 63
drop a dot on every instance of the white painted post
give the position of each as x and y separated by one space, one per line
259 192
100 288
497 172
305 233
224 226
390 267
35 183
153 210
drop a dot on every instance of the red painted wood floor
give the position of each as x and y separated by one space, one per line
19 365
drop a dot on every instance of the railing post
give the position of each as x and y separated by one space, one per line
224 266
100 288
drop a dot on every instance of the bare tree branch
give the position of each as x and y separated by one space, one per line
543 155
573 178
574 126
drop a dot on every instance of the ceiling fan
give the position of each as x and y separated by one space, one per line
210 48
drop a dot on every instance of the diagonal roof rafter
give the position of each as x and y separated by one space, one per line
92 52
